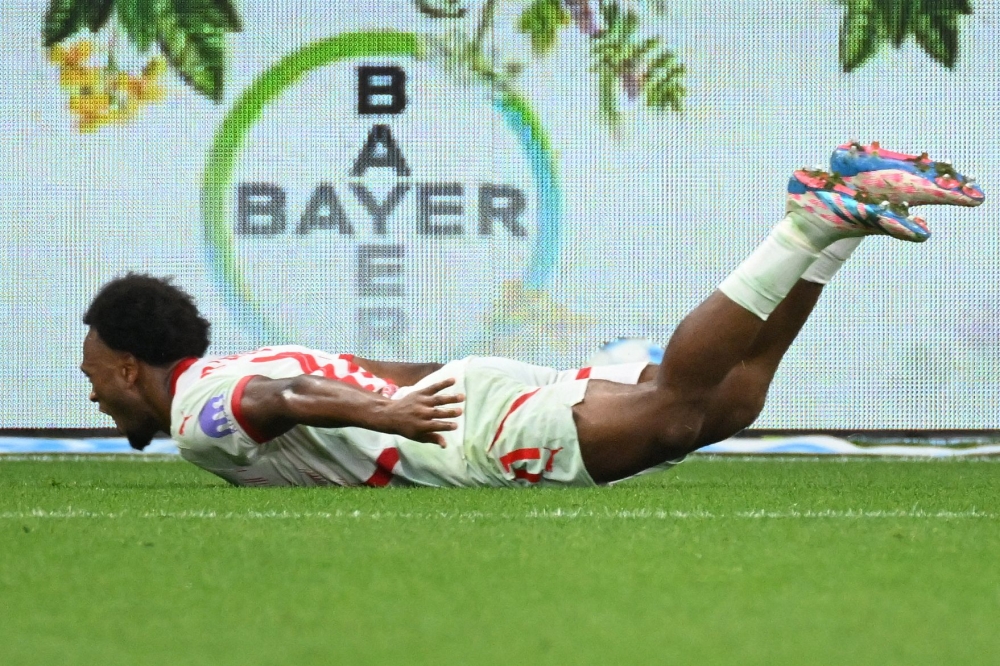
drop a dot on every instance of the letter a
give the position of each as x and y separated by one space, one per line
380 151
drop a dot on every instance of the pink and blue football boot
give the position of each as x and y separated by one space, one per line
912 180
827 198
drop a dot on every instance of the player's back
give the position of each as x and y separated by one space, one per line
212 432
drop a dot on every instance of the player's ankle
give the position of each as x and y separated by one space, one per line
831 259
800 228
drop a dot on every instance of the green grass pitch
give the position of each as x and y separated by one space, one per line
721 561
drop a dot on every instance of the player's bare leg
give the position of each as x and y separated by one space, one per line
740 397
900 178
624 430
744 389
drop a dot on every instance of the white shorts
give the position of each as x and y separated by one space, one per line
537 375
523 435
518 427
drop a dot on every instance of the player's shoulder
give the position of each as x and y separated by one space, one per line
207 394
274 360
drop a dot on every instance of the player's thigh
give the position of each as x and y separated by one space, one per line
625 429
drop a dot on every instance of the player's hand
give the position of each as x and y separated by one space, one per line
419 415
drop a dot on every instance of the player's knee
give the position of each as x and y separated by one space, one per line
733 411
748 409
678 428
746 401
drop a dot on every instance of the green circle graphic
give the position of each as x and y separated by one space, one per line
250 106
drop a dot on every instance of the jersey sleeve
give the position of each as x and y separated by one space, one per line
208 421
207 415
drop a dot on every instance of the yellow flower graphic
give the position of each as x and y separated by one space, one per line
101 95
522 314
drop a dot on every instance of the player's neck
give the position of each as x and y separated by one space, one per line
156 385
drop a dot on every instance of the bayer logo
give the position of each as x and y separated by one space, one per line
377 205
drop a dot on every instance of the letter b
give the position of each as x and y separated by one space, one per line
260 209
381 90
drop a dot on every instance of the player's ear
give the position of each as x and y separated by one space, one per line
128 369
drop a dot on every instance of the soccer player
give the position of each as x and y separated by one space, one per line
287 415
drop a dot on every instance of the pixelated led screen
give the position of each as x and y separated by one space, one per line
426 179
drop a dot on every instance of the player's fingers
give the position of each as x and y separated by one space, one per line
446 399
434 438
441 425
450 413
438 386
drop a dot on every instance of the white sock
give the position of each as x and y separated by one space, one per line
831 259
769 273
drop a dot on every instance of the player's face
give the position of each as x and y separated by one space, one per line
113 376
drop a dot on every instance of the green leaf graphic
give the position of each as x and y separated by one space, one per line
138 18
215 13
938 36
542 20
190 34
607 95
663 87
859 35
896 19
98 13
640 65
869 23
63 18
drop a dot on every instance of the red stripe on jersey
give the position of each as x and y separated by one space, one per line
307 362
383 468
347 379
239 415
310 366
583 373
552 458
530 477
514 405
179 370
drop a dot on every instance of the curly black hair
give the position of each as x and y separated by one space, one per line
149 318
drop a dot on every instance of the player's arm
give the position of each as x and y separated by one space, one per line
270 407
400 374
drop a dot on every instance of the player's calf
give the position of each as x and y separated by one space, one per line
737 403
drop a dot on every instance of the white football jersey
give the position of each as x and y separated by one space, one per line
208 425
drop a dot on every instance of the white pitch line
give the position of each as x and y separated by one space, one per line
551 514
91 457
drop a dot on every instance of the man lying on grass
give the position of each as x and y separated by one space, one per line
287 415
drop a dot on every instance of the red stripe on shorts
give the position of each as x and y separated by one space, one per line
517 455
514 405
383 468
583 373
